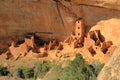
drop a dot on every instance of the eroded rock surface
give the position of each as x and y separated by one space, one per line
111 70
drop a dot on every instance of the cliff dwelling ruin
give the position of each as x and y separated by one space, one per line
57 32
91 46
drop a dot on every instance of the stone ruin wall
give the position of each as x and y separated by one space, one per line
93 44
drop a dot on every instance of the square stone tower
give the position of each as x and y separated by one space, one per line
79 28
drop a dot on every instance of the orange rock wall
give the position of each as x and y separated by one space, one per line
20 16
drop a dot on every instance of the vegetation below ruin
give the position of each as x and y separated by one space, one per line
78 69
4 71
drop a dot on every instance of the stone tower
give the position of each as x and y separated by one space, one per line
80 28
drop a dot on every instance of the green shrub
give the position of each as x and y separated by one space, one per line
79 69
25 72
55 73
4 71
41 68
20 72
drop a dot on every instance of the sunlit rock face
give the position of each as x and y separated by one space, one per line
18 17
110 29
111 70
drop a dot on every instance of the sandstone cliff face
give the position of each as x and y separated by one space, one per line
112 69
111 4
18 17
